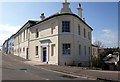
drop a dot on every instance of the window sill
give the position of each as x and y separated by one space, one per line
66 54
36 56
66 32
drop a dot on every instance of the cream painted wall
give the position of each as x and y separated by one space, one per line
25 46
16 45
20 43
74 39
95 51
45 33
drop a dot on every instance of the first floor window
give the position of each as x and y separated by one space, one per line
24 35
66 49
84 32
85 50
37 33
79 30
89 35
93 51
79 49
65 26
36 48
52 27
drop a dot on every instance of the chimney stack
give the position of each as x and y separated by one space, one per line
79 10
66 8
42 16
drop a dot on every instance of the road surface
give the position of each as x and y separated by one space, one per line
14 69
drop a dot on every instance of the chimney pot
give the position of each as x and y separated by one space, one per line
83 19
42 16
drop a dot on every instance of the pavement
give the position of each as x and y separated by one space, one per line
80 71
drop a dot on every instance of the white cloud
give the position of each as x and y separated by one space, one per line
106 31
6 31
108 37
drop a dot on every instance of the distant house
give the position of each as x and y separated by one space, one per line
5 47
21 40
94 51
63 38
11 45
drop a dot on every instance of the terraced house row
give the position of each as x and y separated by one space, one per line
63 38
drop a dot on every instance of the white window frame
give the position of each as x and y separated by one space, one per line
66 48
65 26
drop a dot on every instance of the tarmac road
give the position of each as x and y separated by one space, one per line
14 69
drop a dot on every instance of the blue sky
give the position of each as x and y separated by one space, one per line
119 23
101 16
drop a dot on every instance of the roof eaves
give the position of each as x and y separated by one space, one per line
29 21
60 14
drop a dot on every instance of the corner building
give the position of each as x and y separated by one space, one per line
63 38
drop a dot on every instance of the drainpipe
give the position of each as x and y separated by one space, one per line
18 45
48 53
28 42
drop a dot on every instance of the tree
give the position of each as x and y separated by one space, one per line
99 44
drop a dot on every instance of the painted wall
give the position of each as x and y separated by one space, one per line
47 31
21 43
11 45
95 51
74 39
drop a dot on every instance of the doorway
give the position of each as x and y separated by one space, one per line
44 54
26 53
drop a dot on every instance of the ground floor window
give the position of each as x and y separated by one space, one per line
89 50
23 49
36 49
66 49
20 50
52 49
